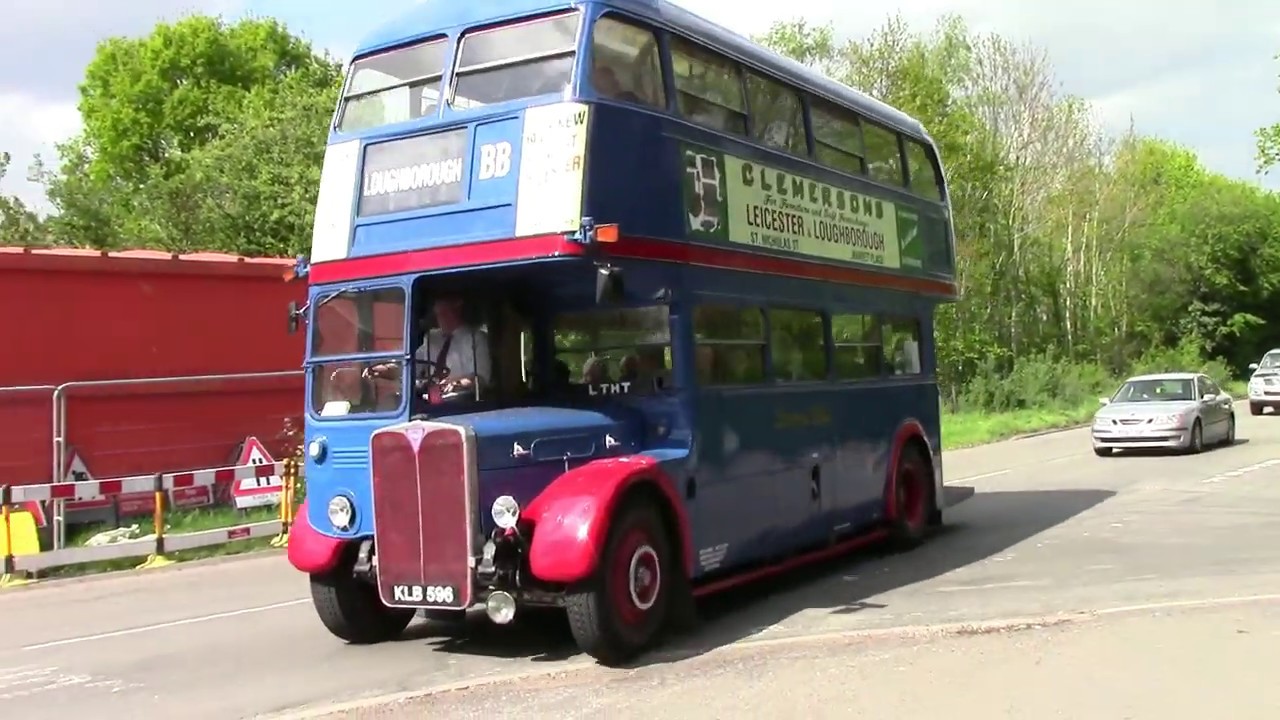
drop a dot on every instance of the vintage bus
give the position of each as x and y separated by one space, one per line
609 309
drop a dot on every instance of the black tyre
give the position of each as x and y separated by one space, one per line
621 609
1255 409
1102 451
1231 431
352 610
913 499
1195 444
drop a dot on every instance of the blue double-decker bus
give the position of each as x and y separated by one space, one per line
609 309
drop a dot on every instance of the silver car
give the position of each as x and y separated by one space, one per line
1182 411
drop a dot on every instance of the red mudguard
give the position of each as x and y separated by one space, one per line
571 516
309 551
908 430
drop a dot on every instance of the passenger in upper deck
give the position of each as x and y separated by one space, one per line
605 80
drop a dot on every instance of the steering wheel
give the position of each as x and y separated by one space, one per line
436 374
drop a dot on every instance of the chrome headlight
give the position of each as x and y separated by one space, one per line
1178 420
341 512
505 512
316 449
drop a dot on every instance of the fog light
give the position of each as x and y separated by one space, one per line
315 449
501 607
505 512
341 512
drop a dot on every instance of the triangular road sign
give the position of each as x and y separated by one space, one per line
256 492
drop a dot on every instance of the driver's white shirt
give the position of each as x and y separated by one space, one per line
460 359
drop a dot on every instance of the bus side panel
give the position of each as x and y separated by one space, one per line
734 518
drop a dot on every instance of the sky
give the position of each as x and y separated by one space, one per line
1204 79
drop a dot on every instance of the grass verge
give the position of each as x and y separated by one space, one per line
971 428
179 521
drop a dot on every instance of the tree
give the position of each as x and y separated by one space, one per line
202 135
1079 255
19 225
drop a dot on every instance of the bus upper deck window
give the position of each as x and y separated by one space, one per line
393 86
525 59
625 64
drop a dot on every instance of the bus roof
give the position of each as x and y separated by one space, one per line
432 16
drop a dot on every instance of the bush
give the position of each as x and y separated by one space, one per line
1045 381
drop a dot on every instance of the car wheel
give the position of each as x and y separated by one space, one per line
1255 409
1102 451
1195 444
1231 431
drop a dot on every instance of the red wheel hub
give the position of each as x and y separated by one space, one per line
635 577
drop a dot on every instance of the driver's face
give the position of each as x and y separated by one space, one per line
448 313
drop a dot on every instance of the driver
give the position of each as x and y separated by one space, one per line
456 347
453 354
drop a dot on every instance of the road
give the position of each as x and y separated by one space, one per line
1053 530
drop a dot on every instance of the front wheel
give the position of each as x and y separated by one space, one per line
1195 444
1231 432
618 612
1255 409
352 610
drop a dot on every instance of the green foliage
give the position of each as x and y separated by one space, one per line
203 135
19 226
1081 257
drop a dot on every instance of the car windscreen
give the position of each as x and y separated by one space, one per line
1155 391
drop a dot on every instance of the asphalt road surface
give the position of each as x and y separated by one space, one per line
1052 535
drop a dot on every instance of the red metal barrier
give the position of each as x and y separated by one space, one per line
26 433
126 427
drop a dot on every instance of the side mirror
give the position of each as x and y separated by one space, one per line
1209 397
1104 401
609 288
1253 366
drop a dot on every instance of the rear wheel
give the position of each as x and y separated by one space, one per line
621 609
912 498
352 610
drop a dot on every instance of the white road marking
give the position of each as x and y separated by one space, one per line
1241 471
983 476
165 625
990 586
24 682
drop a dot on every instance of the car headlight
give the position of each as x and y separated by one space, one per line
315 449
505 512
1169 420
341 512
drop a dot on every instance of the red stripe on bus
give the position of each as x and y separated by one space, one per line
640 248
714 257
457 256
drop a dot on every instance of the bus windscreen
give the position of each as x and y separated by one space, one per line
527 59
394 86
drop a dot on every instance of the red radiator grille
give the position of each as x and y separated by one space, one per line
422 514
